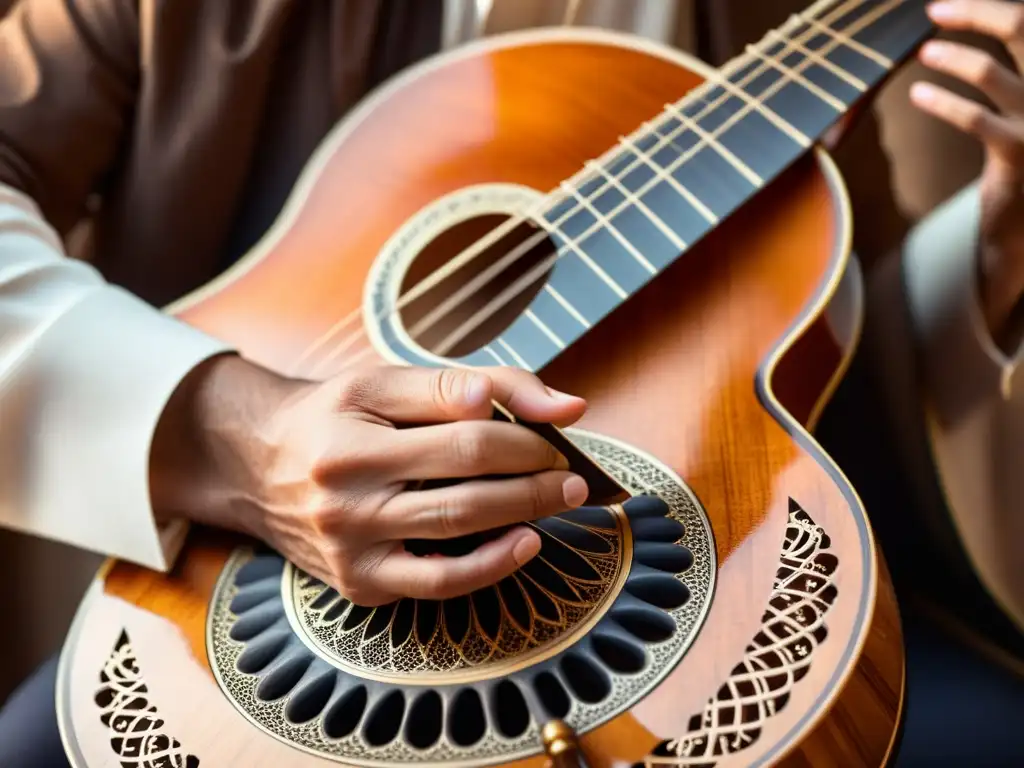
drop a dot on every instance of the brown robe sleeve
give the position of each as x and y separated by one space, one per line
69 74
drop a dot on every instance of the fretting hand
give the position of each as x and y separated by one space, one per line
1001 267
321 472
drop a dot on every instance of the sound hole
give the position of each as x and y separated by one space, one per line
282 680
423 728
310 700
586 680
552 695
485 291
385 720
510 710
344 715
467 723
619 654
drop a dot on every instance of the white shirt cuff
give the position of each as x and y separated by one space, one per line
86 370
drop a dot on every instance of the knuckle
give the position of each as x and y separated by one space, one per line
438 583
337 518
323 517
448 386
321 470
974 120
353 582
539 501
348 582
469 445
359 450
327 468
986 72
1017 24
358 390
452 512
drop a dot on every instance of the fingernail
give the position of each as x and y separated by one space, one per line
526 548
934 52
561 462
478 390
922 92
941 11
574 491
562 397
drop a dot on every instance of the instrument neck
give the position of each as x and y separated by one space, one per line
632 213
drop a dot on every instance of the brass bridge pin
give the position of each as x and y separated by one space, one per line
560 745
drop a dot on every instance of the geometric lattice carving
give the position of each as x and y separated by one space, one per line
779 656
136 732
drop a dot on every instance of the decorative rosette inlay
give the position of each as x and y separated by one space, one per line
580 633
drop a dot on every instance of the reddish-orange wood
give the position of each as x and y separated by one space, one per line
672 373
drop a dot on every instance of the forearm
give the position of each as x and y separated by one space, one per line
86 371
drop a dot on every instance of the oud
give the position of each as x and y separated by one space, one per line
667 240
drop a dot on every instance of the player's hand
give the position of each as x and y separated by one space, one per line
323 472
1001 129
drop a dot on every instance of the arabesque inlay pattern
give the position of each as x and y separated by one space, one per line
779 656
136 731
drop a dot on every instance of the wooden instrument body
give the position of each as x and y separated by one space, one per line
716 368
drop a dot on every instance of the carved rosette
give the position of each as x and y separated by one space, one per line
580 634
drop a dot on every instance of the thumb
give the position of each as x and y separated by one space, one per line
526 397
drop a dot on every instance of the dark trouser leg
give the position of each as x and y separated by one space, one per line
962 709
28 724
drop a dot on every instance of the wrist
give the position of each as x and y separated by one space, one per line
206 453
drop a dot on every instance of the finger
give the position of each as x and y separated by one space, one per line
527 398
414 394
974 67
468 449
471 507
995 18
999 134
434 395
440 578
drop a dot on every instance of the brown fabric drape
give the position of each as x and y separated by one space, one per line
174 130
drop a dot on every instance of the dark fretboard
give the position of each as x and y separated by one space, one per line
638 209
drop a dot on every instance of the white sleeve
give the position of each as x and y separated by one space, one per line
86 369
